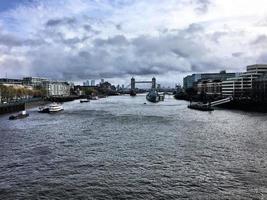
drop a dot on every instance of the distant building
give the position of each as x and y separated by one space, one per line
178 88
242 85
92 82
191 81
86 83
9 81
102 81
34 81
57 88
15 83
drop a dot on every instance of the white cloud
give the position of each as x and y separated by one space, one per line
79 39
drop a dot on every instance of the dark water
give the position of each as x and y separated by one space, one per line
119 148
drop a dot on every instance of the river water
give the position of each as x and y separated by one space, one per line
121 148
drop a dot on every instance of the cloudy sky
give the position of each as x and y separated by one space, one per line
117 39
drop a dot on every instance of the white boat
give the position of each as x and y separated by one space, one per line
52 108
94 98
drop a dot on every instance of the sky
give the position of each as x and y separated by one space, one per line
77 40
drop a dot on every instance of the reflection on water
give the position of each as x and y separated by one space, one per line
121 148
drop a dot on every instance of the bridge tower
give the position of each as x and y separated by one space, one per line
153 83
132 83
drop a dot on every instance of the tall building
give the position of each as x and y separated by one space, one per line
92 82
102 81
260 88
242 85
86 83
192 80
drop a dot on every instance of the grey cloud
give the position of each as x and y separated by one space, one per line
202 5
194 27
260 40
90 29
117 40
8 40
118 27
119 56
216 36
181 53
237 54
62 21
13 41
87 27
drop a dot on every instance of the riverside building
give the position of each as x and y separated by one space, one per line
57 88
210 87
34 81
242 85
191 81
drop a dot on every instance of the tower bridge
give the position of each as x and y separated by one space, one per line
134 82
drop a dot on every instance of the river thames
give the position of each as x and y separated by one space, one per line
121 148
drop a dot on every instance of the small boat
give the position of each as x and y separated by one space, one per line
84 101
94 98
200 106
22 115
52 108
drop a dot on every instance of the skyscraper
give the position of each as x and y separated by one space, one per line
92 82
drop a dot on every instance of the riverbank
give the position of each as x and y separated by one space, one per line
35 102
21 105
236 104
245 105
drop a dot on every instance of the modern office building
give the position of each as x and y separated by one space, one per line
191 81
260 88
242 85
86 83
34 81
210 87
92 82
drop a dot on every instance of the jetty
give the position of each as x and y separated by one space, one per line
209 106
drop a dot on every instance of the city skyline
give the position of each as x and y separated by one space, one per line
115 40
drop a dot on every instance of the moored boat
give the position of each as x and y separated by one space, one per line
84 101
94 98
200 106
132 93
21 115
153 96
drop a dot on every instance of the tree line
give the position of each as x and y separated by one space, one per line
9 93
